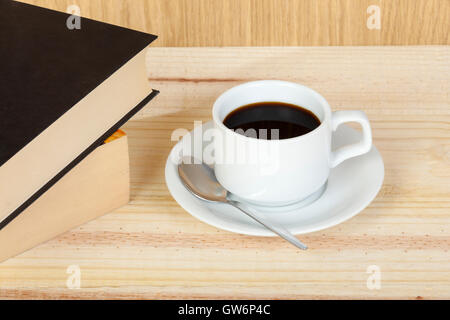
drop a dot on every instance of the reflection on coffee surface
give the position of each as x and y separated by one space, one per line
259 119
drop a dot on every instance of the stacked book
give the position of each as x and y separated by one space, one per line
64 94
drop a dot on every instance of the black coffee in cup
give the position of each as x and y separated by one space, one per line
263 117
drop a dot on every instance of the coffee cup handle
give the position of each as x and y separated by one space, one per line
353 150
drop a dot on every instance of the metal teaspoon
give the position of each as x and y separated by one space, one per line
201 181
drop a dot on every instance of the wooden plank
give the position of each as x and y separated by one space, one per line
272 22
153 249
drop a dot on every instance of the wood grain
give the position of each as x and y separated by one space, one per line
153 249
272 22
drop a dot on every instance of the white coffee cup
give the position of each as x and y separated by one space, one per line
284 171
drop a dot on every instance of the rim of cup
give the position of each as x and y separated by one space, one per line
323 103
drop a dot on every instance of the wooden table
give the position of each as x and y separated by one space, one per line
153 249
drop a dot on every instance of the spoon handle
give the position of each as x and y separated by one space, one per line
281 231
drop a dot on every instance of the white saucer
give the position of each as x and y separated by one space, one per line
351 187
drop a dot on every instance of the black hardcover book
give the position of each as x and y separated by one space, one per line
63 91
